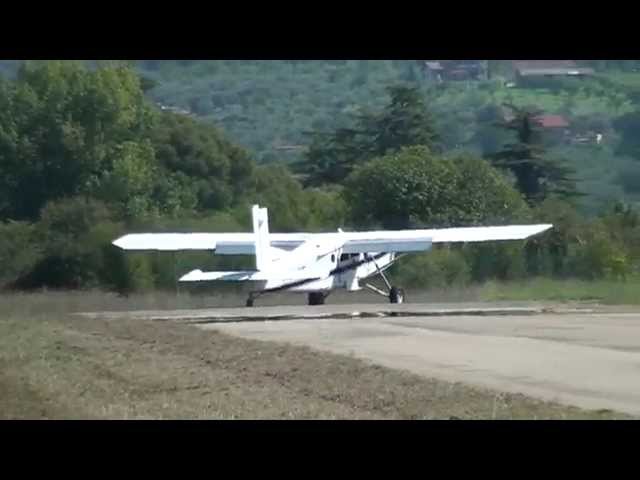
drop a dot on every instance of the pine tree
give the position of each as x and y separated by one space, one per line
537 176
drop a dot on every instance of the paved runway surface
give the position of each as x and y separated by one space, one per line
589 358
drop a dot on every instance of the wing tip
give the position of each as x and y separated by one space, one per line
191 276
119 242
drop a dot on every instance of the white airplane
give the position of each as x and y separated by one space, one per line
316 263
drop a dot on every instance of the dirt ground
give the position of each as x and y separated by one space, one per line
57 366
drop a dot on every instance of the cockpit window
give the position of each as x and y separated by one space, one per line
348 256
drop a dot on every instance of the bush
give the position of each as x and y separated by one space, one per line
74 236
19 251
597 255
441 267
500 261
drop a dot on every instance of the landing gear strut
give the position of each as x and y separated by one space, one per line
394 294
252 297
316 298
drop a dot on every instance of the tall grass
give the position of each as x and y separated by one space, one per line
597 291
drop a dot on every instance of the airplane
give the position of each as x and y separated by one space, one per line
316 263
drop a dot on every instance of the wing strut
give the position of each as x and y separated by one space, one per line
380 272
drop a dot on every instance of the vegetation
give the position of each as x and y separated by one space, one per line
563 290
59 366
537 176
86 153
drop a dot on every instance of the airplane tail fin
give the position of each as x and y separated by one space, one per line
261 231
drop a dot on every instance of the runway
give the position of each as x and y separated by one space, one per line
587 357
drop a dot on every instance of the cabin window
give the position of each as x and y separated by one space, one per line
333 258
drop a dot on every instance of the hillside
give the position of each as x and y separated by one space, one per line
269 107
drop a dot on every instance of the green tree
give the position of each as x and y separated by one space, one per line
130 181
73 235
219 172
61 127
20 251
293 208
416 187
629 126
403 122
536 174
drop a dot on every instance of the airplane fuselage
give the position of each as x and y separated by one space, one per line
341 271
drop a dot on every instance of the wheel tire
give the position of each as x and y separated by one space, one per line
316 298
250 302
396 295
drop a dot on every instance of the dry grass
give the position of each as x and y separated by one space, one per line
608 292
55 365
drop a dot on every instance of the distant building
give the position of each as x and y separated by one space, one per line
454 70
556 127
552 121
535 69
172 109
291 148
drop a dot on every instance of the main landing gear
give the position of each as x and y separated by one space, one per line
313 298
316 298
252 297
394 294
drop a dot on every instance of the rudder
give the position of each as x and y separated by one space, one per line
261 231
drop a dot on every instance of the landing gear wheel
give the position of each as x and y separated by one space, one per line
396 295
316 298
250 302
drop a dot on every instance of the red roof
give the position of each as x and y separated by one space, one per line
552 121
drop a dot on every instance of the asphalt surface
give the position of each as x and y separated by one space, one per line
588 357
589 360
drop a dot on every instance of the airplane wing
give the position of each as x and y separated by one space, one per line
417 244
353 242
170 241
222 243
443 235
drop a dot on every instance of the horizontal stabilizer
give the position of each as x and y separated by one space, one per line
200 276
244 276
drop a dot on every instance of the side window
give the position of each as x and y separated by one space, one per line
344 256
333 258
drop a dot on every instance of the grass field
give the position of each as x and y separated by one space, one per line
601 291
54 365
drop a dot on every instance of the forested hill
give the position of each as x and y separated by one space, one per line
269 107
